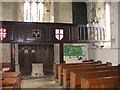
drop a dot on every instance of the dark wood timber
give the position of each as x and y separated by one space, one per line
43 54
75 77
103 82
12 57
21 32
61 53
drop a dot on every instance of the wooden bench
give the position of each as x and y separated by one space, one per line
8 88
15 75
56 66
66 72
104 82
91 60
9 82
60 69
75 77
5 65
56 70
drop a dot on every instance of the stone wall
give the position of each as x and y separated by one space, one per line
16 59
96 13
63 12
119 32
60 12
109 54
56 53
5 54
20 11
0 11
9 11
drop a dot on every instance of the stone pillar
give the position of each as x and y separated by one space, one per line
20 11
52 12
17 69
0 53
9 11
46 12
0 12
6 53
56 53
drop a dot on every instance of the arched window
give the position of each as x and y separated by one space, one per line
33 10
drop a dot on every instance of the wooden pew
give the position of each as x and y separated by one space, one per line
60 69
8 83
91 60
8 88
15 75
56 66
66 72
104 82
5 65
75 77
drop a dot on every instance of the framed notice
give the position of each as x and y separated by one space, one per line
73 51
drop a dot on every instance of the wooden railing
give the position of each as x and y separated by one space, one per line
21 32
91 33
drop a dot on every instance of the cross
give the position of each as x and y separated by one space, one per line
59 34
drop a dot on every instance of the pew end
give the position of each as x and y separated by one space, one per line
99 62
5 66
103 82
109 63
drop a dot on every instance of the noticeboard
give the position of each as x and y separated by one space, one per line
73 51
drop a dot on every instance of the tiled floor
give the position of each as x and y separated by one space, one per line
40 82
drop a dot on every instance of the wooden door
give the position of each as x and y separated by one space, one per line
25 60
45 55
29 54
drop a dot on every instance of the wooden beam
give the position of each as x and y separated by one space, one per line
61 53
12 57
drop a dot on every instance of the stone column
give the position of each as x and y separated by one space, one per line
20 11
9 11
57 53
46 12
17 69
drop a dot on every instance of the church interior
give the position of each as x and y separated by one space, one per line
59 44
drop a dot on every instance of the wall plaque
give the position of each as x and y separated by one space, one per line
36 33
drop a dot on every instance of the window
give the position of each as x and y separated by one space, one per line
33 10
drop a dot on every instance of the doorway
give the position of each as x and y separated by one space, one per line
29 54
